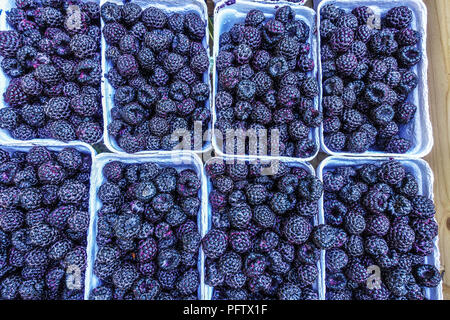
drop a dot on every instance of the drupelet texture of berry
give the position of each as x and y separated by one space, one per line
148 234
260 241
158 69
389 226
368 78
266 86
52 55
44 223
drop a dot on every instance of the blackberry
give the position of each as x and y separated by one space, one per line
427 275
358 142
214 243
11 42
336 260
72 192
342 39
408 37
330 11
346 64
423 207
11 67
378 225
10 287
310 188
290 291
297 229
31 290
336 141
355 223
398 145
391 172
399 17
14 95
405 112
83 46
113 33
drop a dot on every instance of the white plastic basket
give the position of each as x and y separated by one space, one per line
292 163
5 136
419 131
57 146
168 6
424 175
180 161
226 14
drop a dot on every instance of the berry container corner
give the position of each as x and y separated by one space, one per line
5 135
181 160
168 6
424 175
292 163
420 130
226 14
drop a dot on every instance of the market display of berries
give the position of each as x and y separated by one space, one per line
147 234
368 76
52 56
260 245
375 216
158 65
265 81
44 218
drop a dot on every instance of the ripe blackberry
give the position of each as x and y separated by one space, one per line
405 112
310 188
408 37
399 17
427 275
423 207
391 172
11 42
336 141
297 229
290 291
342 39
58 108
398 145
14 95
89 132
214 243
31 290
72 192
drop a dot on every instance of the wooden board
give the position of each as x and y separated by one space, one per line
439 80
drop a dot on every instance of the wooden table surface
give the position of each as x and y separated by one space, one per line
439 80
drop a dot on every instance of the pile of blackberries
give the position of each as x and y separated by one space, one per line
53 59
44 219
375 218
266 82
260 245
158 68
367 78
147 234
